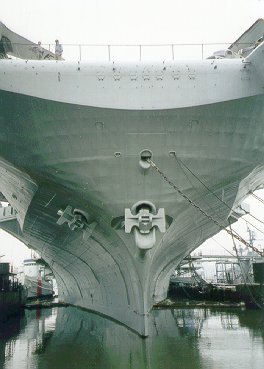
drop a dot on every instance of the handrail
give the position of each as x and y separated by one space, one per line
110 54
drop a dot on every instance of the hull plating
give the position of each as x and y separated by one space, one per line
57 154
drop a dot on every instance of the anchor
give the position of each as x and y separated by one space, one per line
76 220
143 219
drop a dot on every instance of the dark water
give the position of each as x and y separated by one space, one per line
62 338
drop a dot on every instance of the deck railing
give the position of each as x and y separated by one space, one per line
123 52
143 52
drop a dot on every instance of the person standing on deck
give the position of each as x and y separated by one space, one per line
40 51
58 50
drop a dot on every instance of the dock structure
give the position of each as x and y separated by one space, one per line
226 257
7 213
12 293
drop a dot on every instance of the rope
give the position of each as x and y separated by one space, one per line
191 202
257 197
257 220
223 247
222 201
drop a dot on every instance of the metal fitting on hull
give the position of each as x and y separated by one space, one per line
143 219
76 220
144 156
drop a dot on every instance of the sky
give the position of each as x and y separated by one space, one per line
130 22
137 21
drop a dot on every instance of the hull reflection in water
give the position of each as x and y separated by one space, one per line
64 338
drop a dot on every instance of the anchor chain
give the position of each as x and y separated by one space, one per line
215 221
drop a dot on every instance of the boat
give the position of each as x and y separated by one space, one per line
12 293
118 170
36 279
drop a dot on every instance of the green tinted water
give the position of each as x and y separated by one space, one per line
62 338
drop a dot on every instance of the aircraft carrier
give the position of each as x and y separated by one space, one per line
116 171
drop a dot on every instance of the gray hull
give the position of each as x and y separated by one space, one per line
56 154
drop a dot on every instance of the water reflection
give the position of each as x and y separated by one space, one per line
62 338
29 336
